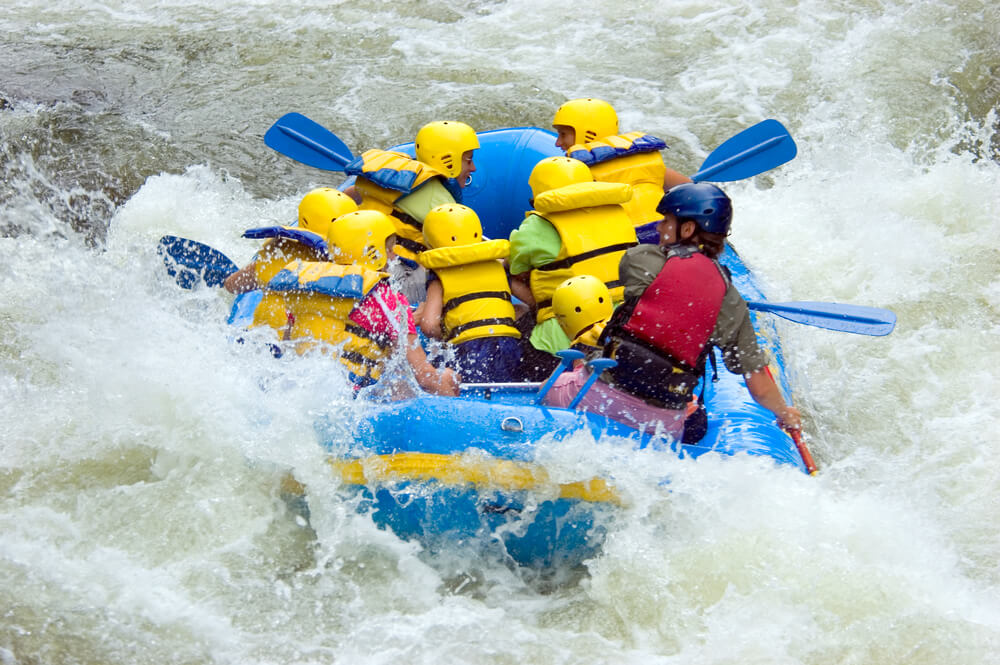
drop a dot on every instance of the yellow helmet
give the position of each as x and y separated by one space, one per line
555 172
590 118
452 225
359 238
580 303
441 144
321 206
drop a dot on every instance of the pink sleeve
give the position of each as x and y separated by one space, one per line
369 315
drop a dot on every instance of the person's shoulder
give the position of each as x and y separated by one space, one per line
534 219
733 299
644 253
397 296
435 190
532 224
639 266
645 249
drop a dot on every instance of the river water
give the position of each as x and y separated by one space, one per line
142 451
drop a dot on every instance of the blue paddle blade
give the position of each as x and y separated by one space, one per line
309 142
857 319
756 149
189 262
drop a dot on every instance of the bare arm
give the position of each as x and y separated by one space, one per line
353 193
519 287
242 280
430 310
672 178
429 378
765 392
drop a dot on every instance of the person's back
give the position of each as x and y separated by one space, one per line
468 296
680 304
304 242
310 303
577 227
406 189
321 298
348 307
584 308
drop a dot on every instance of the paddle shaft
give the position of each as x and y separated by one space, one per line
856 319
807 457
318 147
189 261
799 308
306 141
566 359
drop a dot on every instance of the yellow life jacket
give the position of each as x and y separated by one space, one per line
632 159
591 335
382 178
476 292
595 231
316 298
287 244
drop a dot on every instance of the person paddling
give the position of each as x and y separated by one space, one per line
588 131
407 189
577 227
306 241
468 295
348 306
679 304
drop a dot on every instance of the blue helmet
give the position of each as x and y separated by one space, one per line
705 204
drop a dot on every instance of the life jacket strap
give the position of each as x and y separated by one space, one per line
455 302
600 251
458 330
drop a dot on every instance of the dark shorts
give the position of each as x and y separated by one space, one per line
535 365
488 359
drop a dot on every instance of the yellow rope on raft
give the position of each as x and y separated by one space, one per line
487 473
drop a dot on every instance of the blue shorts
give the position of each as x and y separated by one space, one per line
488 359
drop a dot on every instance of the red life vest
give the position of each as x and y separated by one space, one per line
676 314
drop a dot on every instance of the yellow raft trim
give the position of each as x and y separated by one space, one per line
484 473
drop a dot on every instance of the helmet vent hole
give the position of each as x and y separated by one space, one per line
589 135
709 211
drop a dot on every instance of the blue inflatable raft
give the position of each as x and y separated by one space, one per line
443 470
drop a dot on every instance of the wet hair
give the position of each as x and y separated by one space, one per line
712 244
